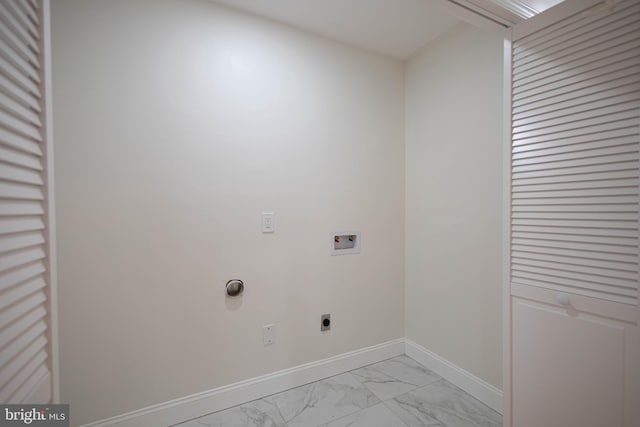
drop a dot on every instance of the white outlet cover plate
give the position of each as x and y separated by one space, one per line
268 334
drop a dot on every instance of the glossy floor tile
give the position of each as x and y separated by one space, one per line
394 377
442 403
398 392
323 401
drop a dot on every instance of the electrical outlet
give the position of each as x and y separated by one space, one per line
325 322
268 334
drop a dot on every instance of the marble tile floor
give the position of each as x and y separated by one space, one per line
397 392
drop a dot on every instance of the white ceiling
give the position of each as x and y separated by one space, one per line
397 28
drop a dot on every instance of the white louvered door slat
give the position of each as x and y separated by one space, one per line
575 107
17 329
22 274
20 174
565 83
20 241
568 261
35 366
17 311
603 83
9 190
18 85
21 292
18 142
21 207
559 264
17 345
23 18
577 100
568 146
12 37
574 189
25 319
15 157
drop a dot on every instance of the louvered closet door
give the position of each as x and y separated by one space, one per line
25 348
575 149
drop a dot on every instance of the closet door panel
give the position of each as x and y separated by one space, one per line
574 190
567 366
27 307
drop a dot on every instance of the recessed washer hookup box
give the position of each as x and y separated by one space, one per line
345 242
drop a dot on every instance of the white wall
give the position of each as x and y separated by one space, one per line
176 123
453 200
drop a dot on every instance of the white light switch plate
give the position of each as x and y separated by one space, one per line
267 222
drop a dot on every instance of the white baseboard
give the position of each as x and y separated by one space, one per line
197 405
478 388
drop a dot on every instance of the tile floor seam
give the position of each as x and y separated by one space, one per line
396 415
286 424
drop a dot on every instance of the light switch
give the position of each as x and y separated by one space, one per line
267 222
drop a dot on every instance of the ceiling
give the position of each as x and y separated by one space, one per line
396 28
